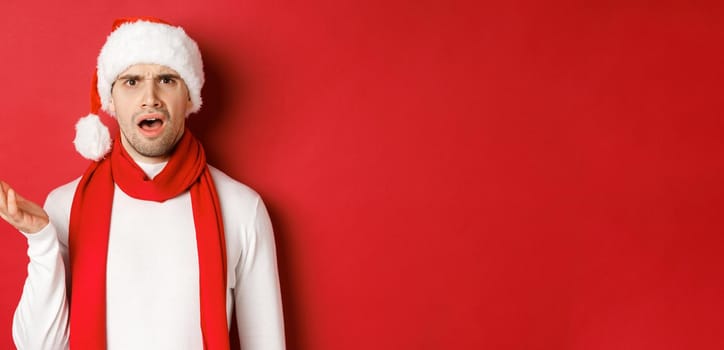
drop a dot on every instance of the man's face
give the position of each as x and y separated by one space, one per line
151 103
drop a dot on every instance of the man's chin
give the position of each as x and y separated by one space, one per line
155 148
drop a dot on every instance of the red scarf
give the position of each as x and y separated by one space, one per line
90 219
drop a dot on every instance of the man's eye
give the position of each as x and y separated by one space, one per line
131 82
167 80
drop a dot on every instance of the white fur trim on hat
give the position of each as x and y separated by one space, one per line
150 43
92 139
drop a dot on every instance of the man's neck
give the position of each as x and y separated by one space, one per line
151 169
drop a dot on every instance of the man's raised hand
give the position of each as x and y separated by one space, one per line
25 215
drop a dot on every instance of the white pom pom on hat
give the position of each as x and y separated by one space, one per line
132 41
92 139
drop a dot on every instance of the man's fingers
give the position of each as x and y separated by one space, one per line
25 215
12 203
3 199
4 187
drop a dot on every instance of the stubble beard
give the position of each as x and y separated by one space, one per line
160 146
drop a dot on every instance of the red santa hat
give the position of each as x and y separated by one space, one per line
134 41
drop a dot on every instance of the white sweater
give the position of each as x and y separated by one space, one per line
152 273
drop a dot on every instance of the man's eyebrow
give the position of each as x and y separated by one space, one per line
168 76
129 77
158 76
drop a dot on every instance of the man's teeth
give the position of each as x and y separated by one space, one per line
149 122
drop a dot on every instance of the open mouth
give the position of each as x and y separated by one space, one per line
151 124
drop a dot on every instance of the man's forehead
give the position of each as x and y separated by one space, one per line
144 69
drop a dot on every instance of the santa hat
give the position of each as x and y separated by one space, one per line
133 41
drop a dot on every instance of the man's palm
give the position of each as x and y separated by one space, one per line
25 215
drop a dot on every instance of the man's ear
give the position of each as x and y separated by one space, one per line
112 107
189 105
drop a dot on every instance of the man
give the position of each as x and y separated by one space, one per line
151 248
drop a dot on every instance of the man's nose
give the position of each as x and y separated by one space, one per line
150 95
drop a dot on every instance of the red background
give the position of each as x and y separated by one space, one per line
441 175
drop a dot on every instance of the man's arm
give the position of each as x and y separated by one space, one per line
257 295
41 318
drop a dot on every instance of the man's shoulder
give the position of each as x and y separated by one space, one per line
64 192
228 187
239 202
58 204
